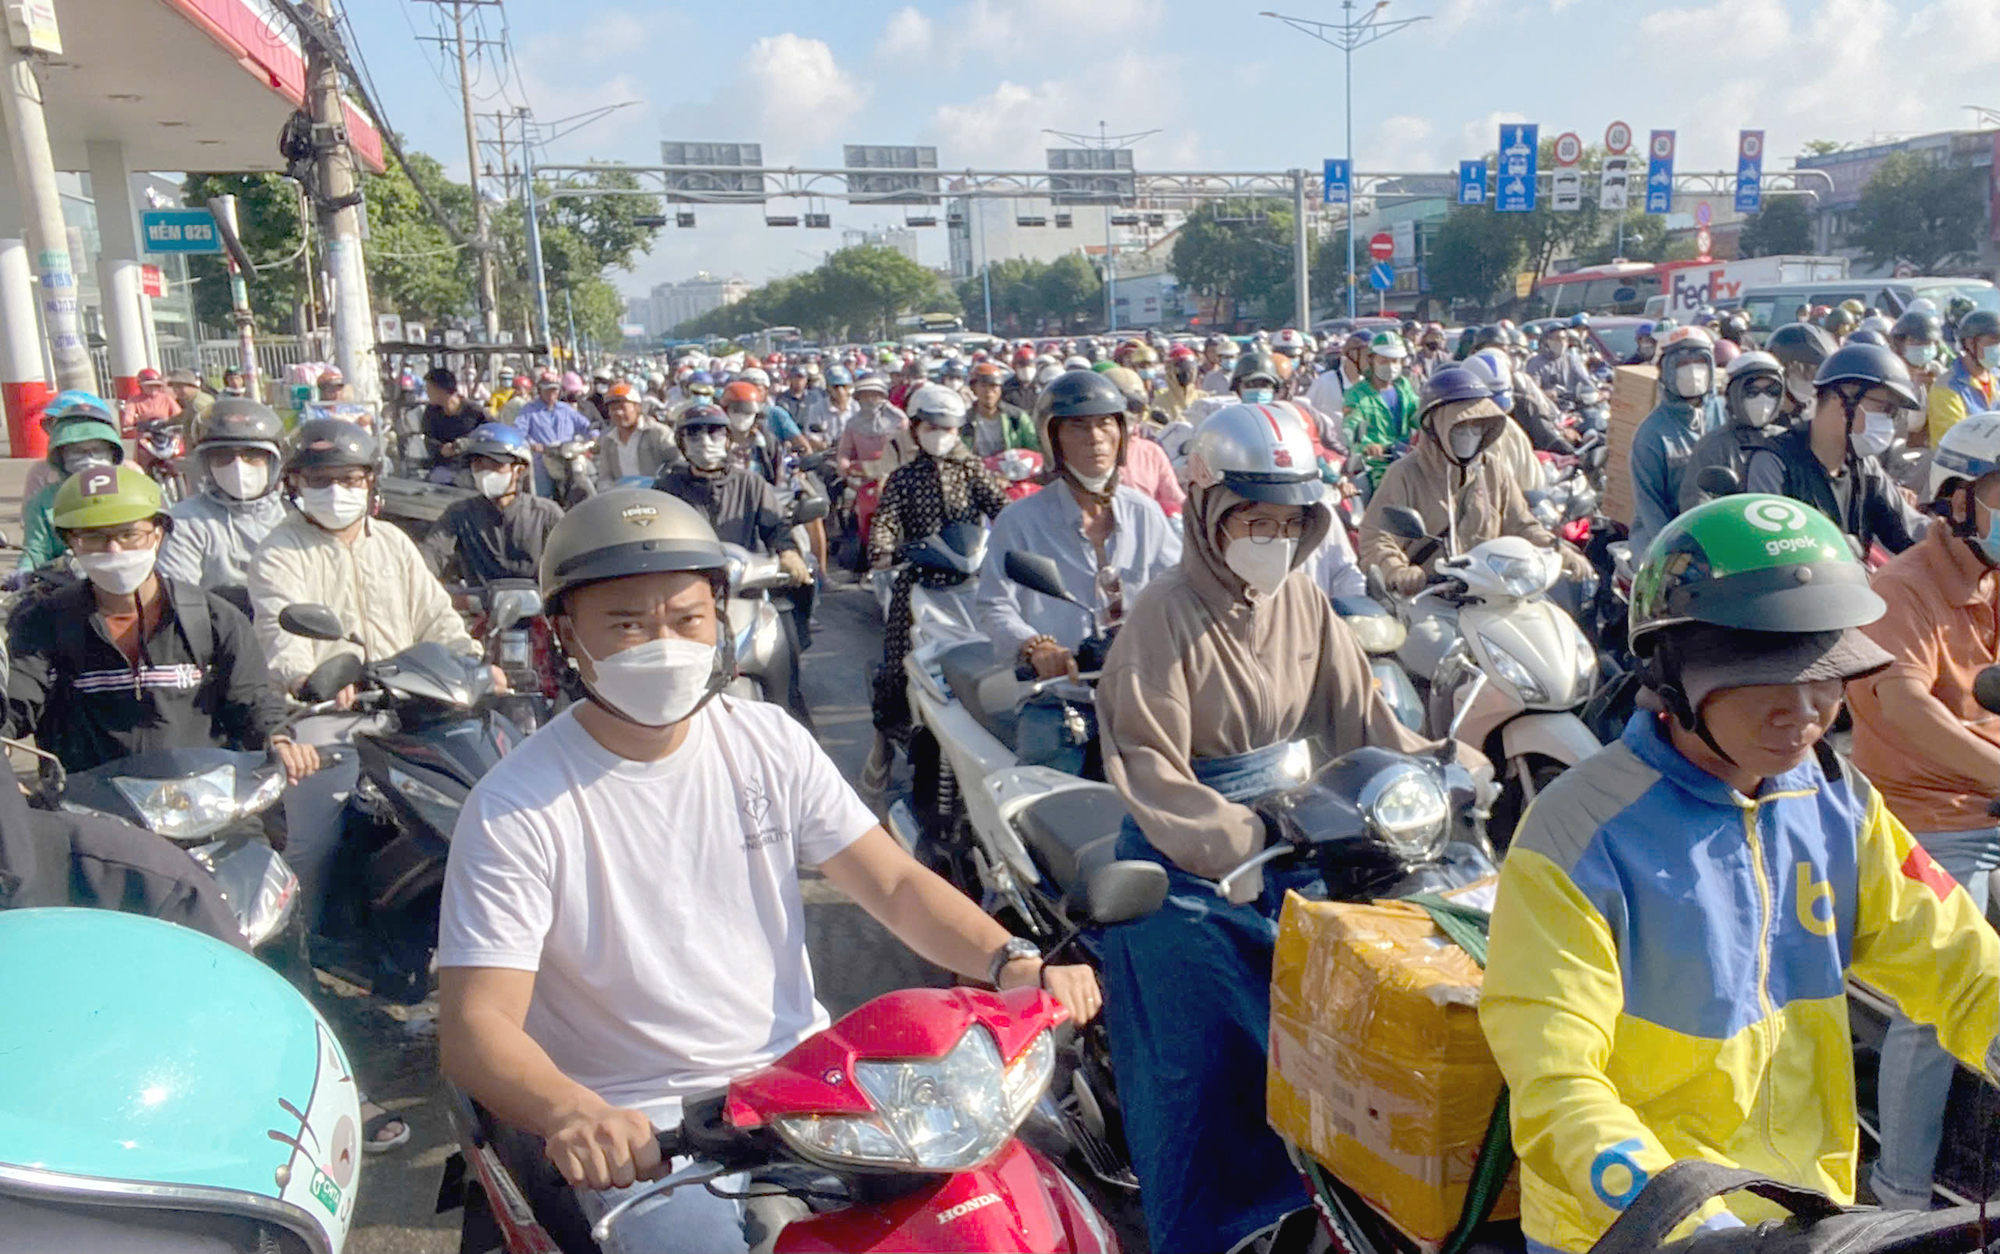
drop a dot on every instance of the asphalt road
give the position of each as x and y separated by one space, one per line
853 960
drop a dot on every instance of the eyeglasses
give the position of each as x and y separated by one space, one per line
135 536
1265 530
335 479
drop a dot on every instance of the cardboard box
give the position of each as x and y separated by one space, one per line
1378 1067
1634 394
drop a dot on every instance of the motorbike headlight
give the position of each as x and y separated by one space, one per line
1522 576
265 795
425 794
1585 678
1409 810
1511 669
933 1114
1378 633
182 809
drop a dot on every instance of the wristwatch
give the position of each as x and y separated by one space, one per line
1016 947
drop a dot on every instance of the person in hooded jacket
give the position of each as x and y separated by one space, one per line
1753 391
945 483
1454 481
215 532
1225 661
1688 410
1494 370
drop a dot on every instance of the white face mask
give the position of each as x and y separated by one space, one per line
658 683
494 484
938 443
244 478
334 507
76 461
1466 440
1801 389
1262 566
1092 483
706 450
1386 371
1691 381
1757 410
118 573
1877 430
741 422
1919 354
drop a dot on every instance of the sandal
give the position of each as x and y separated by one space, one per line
373 1126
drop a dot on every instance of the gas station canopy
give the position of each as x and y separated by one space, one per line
181 84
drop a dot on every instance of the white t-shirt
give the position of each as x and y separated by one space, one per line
657 902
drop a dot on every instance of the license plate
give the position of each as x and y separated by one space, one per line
516 652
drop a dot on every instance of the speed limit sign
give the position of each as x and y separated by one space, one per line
1663 145
1617 139
1569 149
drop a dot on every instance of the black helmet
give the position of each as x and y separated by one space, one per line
1872 366
1410 328
1980 322
1492 335
239 422
1251 363
1452 383
1868 335
1919 326
1838 320
695 416
1800 344
330 442
1735 327
1078 394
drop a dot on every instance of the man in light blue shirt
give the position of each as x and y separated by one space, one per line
547 422
1108 540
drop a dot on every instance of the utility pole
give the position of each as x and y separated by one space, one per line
340 215
489 313
503 143
537 280
41 213
1347 35
1108 142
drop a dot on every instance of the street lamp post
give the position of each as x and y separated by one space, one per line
1105 140
1348 35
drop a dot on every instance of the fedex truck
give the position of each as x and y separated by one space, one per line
1687 286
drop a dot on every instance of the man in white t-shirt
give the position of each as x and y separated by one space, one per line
622 925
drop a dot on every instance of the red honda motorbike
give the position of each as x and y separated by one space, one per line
906 1112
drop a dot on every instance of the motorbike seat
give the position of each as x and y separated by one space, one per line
1073 832
964 667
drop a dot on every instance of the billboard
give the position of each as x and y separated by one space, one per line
887 188
696 186
1091 176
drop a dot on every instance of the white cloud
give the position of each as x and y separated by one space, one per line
1398 142
1128 92
908 34
788 93
1484 135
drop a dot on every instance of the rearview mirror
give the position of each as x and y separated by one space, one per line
1718 481
1119 892
1404 523
314 622
1986 689
330 676
511 606
1037 574
808 508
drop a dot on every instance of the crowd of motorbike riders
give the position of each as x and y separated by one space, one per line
1816 526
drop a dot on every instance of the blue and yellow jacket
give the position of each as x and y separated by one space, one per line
1668 967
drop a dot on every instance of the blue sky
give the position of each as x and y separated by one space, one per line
1226 89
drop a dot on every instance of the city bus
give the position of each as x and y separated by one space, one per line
1621 287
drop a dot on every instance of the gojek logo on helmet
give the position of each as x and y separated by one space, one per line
1777 516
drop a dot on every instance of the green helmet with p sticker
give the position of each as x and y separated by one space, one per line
1750 563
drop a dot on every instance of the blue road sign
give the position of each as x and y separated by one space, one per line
180 231
1519 156
1472 182
1337 182
1749 171
1381 276
1660 173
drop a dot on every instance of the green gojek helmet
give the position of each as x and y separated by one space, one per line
1750 562
106 496
70 431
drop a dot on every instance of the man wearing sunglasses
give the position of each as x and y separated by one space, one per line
1753 390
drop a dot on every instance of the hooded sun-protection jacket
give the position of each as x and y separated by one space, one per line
1668 975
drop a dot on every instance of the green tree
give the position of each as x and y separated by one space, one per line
1240 249
874 285
414 267
1474 255
1920 211
1783 226
1071 292
267 218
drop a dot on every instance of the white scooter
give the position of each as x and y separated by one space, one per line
1488 615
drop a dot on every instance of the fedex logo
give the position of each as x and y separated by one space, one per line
1696 287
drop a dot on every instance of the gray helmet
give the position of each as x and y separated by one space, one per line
627 531
239 422
331 442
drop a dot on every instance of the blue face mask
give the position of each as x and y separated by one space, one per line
1259 396
1991 356
1989 544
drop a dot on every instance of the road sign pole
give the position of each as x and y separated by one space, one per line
1301 255
1348 57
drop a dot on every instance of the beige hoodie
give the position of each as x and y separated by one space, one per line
1488 501
1204 668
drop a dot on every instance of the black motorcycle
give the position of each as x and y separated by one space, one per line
380 918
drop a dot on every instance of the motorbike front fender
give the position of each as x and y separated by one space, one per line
1561 736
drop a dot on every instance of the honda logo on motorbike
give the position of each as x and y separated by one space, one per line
963 1209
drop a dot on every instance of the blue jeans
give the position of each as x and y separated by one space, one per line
1915 1079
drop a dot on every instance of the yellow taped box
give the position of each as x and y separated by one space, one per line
1378 1067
